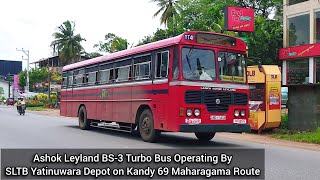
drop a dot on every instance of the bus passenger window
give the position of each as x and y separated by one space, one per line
162 64
65 81
92 77
70 80
122 74
104 76
142 71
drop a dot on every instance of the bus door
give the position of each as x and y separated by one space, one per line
69 94
160 88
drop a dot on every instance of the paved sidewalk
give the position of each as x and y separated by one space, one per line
51 112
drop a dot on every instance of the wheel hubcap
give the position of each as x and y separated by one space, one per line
146 126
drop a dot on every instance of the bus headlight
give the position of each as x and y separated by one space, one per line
197 112
189 112
236 113
242 113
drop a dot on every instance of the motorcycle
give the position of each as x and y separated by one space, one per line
22 109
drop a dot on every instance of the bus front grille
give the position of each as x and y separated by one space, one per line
240 99
216 101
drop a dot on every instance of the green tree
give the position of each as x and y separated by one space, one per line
23 79
56 77
262 8
145 40
168 8
208 15
36 75
67 43
112 44
93 55
265 42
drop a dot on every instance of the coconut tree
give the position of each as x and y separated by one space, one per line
169 9
67 43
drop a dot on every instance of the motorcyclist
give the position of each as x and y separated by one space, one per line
20 102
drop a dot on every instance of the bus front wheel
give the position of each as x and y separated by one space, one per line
146 127
84 122
205 137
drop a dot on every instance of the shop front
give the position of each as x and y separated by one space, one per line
301 74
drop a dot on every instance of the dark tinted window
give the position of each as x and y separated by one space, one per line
214 39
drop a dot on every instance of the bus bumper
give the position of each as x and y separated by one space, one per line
233 128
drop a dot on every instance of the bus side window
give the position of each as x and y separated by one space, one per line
122 70
175 67
162 64
142 67
70 81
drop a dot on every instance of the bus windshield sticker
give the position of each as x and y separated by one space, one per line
233 79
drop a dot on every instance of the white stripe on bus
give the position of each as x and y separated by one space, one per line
160 81
206 84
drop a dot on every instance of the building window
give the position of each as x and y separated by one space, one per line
292 2
299 30
317 70
298 71
317 26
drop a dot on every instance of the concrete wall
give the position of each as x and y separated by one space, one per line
5 86
304 107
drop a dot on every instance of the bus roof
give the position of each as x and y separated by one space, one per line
135 50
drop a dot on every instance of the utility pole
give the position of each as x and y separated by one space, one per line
26 52
8 78
49 79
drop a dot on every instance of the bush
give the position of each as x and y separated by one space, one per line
284 121
34 105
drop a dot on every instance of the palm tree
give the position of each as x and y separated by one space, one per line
68 45
169 9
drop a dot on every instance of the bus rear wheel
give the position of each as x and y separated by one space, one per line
205 137
146 127
84 122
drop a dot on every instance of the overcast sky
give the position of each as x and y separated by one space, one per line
29 24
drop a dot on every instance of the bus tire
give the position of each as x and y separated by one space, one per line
205 137
84 122
146 127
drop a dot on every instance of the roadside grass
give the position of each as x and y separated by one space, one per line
284 133
39 108
309 137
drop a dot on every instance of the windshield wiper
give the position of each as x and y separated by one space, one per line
188 55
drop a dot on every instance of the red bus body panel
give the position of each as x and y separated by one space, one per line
119 102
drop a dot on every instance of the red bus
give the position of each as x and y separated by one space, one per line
195 82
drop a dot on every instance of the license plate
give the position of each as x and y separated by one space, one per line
212 117
193 121
240 121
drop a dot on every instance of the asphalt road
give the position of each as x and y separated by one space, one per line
39 131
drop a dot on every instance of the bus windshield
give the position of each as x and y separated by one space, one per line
231 67
198 64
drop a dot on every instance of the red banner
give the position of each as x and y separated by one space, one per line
296 52
239 19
